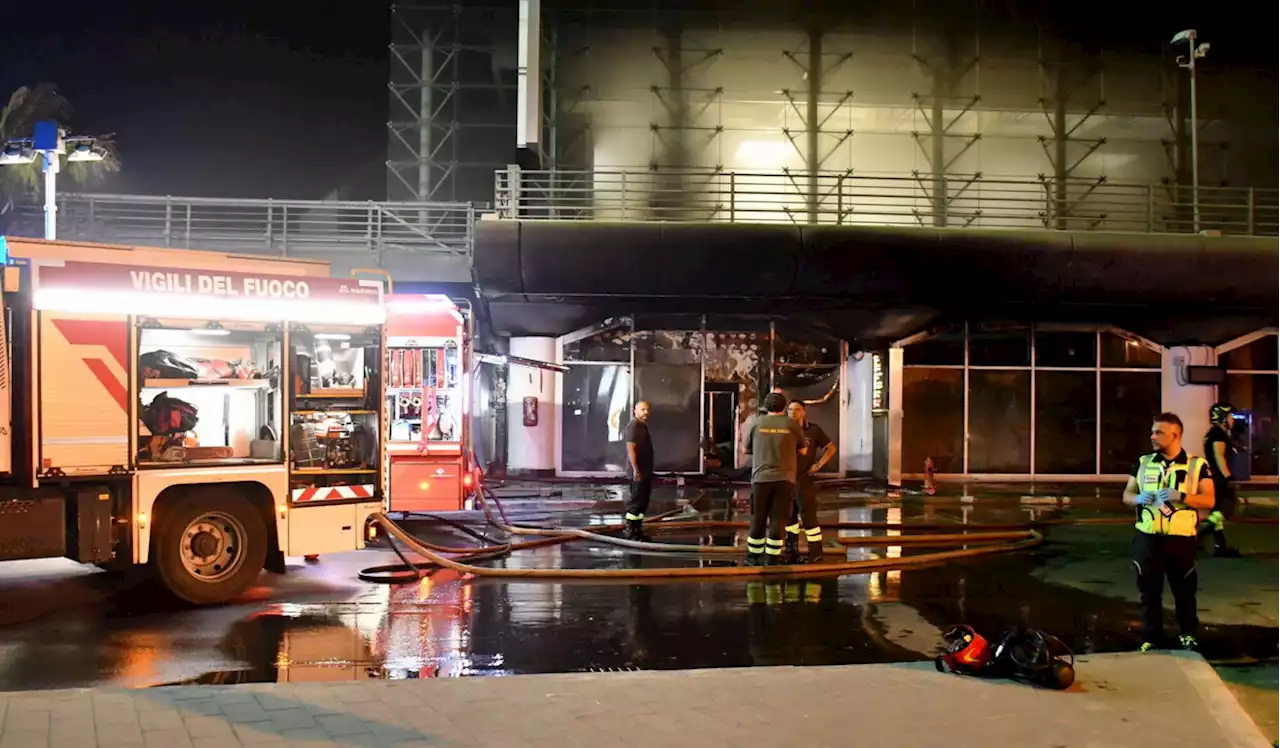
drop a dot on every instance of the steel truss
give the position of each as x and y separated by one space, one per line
452 102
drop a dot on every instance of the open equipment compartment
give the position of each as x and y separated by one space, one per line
209 392
427 404
335 428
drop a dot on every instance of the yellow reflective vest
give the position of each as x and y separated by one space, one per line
1182 474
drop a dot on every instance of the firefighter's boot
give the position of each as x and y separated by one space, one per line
813 539
791 550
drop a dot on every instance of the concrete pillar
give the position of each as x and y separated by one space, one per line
895 417
532 448
1190 402
856 451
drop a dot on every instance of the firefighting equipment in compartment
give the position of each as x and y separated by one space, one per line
162 364
167 365
966 651
1021 654
1162 510
168 419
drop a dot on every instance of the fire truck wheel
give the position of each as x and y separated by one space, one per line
211 546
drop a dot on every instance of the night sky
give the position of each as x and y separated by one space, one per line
220 98
289 99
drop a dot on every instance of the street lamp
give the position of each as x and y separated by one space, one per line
1188 63
50 142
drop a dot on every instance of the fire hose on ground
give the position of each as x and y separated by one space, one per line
991 540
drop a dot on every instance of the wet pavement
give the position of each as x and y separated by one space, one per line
64 626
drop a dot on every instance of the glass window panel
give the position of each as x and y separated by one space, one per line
999 421
1256 393
1121 353
995 346
940 350
673 392
932 419
597 406
1066 422
1260 355
667 347
1054 348
1129 401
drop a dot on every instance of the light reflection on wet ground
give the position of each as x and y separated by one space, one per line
70 628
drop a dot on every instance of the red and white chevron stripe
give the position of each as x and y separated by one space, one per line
331 493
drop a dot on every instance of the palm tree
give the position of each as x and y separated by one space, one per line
31 104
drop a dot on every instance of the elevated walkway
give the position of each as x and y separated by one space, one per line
416 241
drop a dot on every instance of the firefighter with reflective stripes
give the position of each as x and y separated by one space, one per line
1166 488
1220 451
774 442
818 452
639 470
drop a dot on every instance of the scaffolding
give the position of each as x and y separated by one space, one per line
452 100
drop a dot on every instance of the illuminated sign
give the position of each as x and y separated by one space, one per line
877 382
90 287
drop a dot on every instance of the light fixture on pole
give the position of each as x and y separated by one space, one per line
50 143
1188 63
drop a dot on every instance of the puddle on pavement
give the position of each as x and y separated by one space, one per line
447 626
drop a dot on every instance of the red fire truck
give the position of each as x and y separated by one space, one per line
199 413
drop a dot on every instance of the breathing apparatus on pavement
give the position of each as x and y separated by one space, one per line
1022 654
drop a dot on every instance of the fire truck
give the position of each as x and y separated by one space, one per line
201 414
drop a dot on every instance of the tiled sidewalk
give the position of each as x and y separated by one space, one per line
1128 701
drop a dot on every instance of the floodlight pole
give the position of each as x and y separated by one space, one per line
1195 140
1194 51
49 142
51 167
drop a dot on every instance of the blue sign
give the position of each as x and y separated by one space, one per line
45 137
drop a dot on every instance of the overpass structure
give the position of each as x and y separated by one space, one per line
1018 329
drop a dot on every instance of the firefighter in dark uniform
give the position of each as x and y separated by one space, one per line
1219 450
639 470
818 452
1166 488
774 442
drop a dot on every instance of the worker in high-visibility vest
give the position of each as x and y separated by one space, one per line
1166 488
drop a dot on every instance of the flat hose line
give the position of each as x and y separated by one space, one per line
435 556
990 539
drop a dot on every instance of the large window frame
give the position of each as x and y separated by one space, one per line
627 325
1098 369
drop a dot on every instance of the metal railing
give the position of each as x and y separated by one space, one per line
851 199
301 228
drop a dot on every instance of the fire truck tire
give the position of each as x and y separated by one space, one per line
210 547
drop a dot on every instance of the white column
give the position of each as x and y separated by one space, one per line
529 75
855 452
1190 402
531 447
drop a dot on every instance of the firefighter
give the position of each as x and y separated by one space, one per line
1220 451
639 470
1166 488
819 450
774 443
